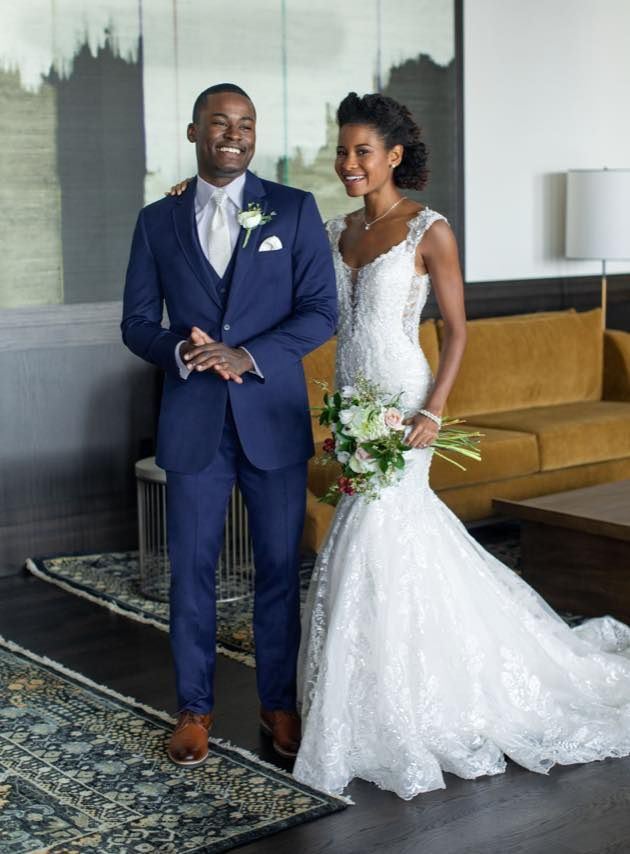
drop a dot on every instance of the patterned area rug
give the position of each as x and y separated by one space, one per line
112 580
83 769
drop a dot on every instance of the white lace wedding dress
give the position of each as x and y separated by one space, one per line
422 653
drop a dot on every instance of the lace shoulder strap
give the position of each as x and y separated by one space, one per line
335 227
420 224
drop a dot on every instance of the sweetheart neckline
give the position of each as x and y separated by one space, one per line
382 255
387 252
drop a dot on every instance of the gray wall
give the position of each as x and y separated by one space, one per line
76 410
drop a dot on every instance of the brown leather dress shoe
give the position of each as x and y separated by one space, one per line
188 744
284 728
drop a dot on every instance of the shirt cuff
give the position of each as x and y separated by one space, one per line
255 370
184 370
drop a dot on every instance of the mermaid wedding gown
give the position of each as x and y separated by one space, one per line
422 653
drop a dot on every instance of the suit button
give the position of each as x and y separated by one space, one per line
222 291
226 327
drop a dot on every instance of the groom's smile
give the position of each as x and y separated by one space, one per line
224 136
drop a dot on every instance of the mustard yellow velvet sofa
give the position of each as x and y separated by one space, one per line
549 391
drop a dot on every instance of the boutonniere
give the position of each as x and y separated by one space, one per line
252 218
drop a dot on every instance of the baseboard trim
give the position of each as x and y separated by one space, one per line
102 530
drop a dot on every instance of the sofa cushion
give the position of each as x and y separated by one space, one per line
320 477
474 502
616 365
429 343
320 365
316 523
571 434
504 453
529 360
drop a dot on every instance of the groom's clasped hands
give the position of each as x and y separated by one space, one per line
200 352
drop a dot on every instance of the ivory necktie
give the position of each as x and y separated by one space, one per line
219 243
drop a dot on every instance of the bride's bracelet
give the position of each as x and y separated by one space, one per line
432 416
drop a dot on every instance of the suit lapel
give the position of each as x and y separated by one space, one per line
185 229
253 192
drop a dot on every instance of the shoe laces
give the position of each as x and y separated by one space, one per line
187 717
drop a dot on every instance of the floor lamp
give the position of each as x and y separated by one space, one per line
598 218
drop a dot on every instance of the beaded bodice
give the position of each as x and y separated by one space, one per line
380 306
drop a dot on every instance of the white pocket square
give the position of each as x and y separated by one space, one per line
270 244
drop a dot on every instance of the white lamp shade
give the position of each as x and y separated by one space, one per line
598 214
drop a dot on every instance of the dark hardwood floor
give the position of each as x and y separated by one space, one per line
582 809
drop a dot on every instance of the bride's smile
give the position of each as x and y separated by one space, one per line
362 163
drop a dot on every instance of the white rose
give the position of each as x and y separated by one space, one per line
343 457
346 416
250 219
363 423
361 461
347 391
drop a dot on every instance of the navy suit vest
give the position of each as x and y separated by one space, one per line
221 283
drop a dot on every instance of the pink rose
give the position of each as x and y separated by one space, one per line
393 419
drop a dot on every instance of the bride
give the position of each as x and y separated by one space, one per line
421 653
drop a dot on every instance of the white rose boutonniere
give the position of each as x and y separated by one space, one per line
252 218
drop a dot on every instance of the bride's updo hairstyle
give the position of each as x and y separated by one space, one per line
396 126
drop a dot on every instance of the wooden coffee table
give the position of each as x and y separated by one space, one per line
575 547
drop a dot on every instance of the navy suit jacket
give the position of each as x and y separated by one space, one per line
281 305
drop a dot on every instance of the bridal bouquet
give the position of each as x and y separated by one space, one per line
368 439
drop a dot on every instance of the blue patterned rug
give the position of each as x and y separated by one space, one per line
112 580
83 769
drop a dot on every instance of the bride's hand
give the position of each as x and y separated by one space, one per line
178 189
423 431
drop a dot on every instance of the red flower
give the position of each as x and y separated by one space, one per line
345 485
328 446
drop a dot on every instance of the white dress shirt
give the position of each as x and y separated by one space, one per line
204 211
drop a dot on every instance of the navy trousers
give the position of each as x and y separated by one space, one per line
196 507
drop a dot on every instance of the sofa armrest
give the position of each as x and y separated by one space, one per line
316 523
616 365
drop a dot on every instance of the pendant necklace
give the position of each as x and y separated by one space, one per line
368 225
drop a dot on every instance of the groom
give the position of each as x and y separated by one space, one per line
244 306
